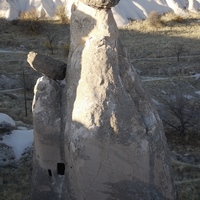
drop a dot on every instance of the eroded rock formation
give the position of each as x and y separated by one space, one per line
46 65
100 137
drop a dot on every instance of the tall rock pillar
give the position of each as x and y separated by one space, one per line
115 147
99 137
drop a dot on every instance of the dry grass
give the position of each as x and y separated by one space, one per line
13 64
61 14
143 40
15 37
30 22
154 20
16 180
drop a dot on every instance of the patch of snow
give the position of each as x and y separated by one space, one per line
5 119
11 90
155 101
189 97
196 76
163 92
147 78
19 140
11 51
5 51
21 128
197 92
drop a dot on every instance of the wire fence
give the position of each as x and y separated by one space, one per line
25 82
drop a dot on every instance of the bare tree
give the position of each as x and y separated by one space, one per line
51 35
49 44
178 49
182 113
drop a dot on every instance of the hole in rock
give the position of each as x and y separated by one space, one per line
61 168
49 172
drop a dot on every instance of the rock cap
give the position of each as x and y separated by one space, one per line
101 4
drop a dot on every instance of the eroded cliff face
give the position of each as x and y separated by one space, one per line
125 10
112 144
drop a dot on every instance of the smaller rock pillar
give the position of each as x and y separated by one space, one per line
48 163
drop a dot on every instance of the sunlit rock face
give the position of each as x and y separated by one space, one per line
114 141
99 137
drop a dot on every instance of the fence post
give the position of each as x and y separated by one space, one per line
25 102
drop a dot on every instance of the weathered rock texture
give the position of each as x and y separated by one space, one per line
101 3
46 65
48 140
114 147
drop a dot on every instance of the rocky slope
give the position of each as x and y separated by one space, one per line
123 12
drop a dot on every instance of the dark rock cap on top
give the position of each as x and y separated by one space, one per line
104 4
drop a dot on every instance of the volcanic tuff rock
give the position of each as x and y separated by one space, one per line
46 65
101 3
110 144
48 139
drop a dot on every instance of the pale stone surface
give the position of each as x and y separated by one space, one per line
47 120
46 65
48 140
117 149
102 126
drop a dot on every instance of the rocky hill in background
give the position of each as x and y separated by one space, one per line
126 10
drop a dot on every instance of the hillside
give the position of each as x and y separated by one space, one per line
125 11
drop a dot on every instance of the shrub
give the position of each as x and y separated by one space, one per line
65 49
29 22
182 112
178 49
178 19
50 41
42 14
61 14
15 22
154 19
50 46
29 15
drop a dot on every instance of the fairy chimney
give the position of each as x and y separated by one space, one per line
100 136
